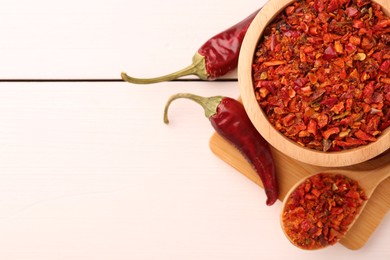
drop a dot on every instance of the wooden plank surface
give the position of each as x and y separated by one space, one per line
290 171
89 171
83 39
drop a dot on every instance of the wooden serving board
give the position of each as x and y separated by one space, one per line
289 171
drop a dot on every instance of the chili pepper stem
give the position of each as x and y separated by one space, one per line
198 67
209 104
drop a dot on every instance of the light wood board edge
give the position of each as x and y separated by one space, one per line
364 227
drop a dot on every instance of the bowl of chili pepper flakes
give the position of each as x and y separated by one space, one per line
314 77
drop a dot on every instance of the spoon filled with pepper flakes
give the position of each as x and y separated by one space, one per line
320 209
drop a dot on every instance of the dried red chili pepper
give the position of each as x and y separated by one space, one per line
320 210
229 119
327 91
215 58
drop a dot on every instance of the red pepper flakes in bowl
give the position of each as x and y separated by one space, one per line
321 73
320 210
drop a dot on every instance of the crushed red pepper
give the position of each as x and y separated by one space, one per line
319 211
322 73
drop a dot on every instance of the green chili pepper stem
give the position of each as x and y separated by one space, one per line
209 104
198 67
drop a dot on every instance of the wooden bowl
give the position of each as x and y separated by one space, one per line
259 119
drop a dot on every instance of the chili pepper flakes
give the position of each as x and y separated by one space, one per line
319 211
321 73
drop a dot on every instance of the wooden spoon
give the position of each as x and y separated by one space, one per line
368 180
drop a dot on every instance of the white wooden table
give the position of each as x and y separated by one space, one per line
88 170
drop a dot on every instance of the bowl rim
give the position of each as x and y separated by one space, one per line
276 139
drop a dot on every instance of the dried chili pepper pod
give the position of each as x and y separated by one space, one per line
229 119
215 58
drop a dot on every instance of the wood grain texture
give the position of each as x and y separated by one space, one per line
289 171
